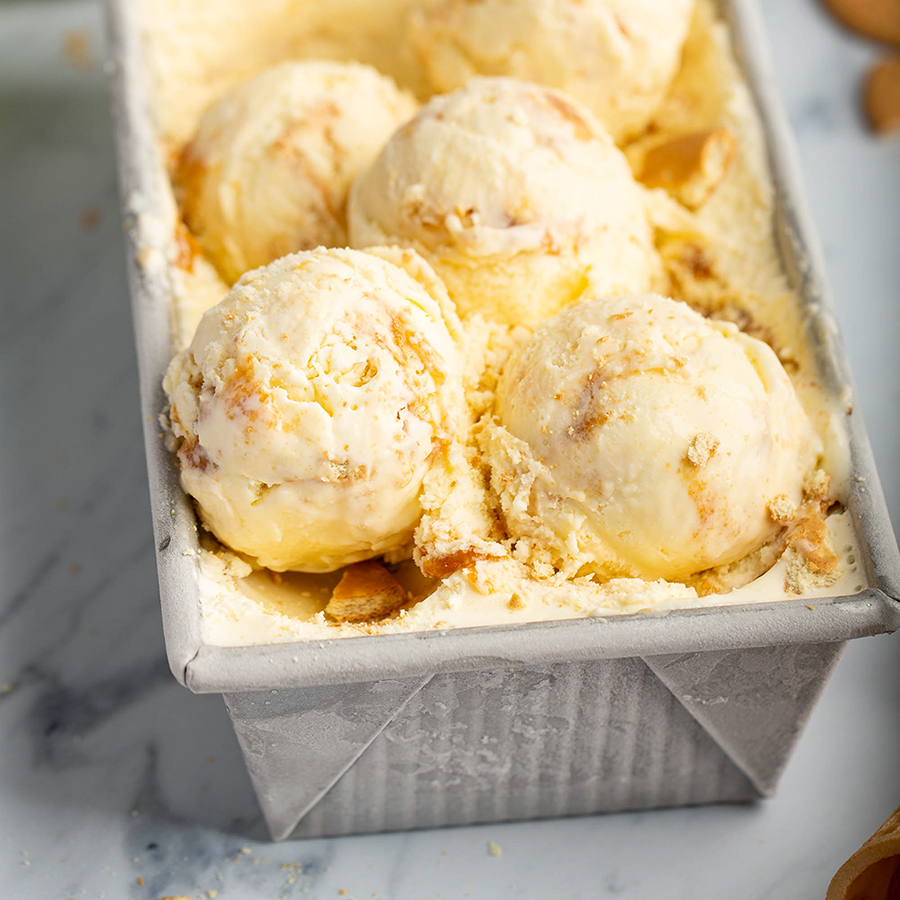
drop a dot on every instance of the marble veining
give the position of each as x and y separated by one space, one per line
116 782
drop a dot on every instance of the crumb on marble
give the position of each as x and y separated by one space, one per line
494 849
90 219
76 48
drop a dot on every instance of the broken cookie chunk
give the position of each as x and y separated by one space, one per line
366 591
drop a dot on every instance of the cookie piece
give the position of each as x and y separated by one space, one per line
874 870
882 96
879 19
366 591
689 166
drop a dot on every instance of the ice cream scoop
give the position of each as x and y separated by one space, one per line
310 405
515 195
634 437
268 170
616 56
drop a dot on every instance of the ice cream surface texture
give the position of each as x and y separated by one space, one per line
268 170
507 491
310 405
636 438
515 195
615 56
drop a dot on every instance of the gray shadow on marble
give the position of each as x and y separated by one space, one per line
95 717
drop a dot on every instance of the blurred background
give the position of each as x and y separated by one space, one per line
114 781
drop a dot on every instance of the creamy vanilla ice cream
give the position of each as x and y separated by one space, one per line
268 170
487 479
615 56
311 402
633 437
515 195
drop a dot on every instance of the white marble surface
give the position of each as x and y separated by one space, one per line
111 773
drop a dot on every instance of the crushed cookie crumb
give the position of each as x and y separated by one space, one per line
366 591
781 509
811 560
494 849
90 219
76 48
810 540
817 484
516 602
701 449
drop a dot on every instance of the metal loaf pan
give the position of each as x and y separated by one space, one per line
489 724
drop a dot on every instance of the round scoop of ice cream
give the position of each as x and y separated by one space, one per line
310 405
515 195
637 438
268 170
615 56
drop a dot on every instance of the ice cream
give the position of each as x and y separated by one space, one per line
520 200
268 170
615 56
311 403
633 437
515 195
